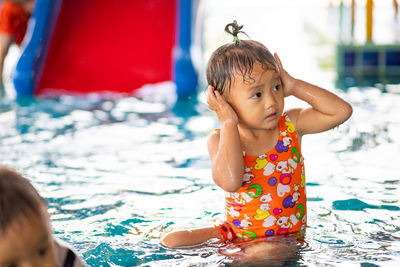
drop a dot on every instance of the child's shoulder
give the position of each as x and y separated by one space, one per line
66 255
292 113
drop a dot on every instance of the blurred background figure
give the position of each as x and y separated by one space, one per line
14 16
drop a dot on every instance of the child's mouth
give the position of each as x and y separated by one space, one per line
271 116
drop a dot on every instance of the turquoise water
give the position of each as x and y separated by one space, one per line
114 176
116 171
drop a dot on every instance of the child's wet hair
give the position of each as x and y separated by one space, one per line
234 58
18 198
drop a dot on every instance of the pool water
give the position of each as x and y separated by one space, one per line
115 175
117 170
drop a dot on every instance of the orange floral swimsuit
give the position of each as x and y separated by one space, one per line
272 199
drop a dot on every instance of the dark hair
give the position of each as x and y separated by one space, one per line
236 58
17 198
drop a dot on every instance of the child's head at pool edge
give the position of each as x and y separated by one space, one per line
25 231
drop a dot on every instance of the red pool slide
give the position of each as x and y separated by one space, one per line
103 45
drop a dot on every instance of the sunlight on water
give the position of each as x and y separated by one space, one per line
116 171
112 184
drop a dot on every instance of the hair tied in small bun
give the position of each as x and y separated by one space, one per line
234 29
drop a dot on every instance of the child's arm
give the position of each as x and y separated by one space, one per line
224 147
327 110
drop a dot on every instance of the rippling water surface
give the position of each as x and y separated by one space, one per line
116 170
114 176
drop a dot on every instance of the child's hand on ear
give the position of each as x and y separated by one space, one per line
217 103
288 81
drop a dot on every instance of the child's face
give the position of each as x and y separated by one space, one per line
27 242
258 102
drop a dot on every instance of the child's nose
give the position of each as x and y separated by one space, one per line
270 102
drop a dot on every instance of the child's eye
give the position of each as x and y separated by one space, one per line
256 95
277 87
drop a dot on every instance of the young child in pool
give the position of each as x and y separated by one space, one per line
25 234
256 155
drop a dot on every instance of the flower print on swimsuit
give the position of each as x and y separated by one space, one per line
246 197
261 162
273 194
266 198
288 202
247 169
296 187
277 211
273 157
272 181
283 167
293 219
292 164
236 223
287 141
239 199
265 207
247 177
284 222
290 125
303 175
234 196
269 221
269 169
296 194
280 147
263 211
233 212
245 223
261 215
282 189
